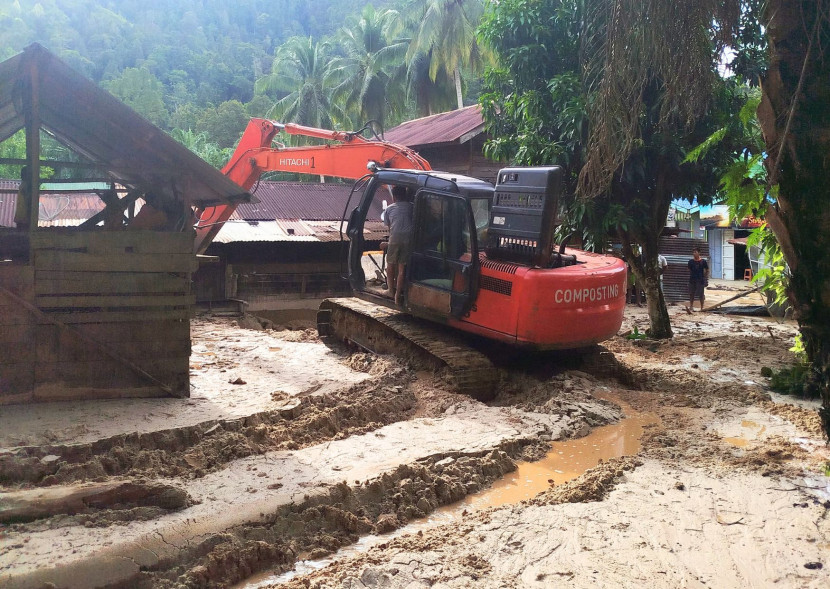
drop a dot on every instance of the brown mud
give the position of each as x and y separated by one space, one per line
317 466
194 451
704 379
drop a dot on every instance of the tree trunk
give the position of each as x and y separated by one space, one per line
457 76
793 117
648 274
658 314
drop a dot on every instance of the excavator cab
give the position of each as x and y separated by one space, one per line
451 220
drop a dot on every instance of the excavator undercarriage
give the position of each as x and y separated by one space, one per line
382 330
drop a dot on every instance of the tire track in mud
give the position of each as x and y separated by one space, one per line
322 524
317 525
196 450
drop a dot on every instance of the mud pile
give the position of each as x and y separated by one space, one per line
318 465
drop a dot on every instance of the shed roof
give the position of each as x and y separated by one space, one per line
456 126
95 124
314 201
237 230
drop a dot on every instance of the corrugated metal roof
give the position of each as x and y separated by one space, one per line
456 126
301 200
235 231
56 210
8 201
95 124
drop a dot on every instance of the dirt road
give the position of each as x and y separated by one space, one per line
290 450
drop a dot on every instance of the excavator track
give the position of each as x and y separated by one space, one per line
386 331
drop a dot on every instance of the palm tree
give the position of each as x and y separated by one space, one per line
300 71
447 33
369 78
429 96
200 144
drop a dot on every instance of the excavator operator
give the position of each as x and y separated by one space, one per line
398 217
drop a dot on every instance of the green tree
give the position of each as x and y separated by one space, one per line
796 128
201 145
140 90
299 73
224 124
571 90
185 116
447 33
428 95
369 79
13 148
655 94
534 100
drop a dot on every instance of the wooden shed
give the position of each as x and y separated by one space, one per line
101 309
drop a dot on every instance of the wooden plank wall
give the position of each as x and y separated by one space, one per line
128 291
17 335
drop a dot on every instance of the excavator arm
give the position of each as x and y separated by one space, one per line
348 158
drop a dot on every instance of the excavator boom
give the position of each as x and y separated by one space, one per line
254 155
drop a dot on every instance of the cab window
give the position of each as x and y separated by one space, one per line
481 216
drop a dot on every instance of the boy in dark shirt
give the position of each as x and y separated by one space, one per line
698 278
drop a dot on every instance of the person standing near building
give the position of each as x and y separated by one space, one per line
698 278
662 264
398 217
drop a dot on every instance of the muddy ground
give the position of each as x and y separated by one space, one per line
292 449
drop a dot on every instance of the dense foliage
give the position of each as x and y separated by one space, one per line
203 66
617 105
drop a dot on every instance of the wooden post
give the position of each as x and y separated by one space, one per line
31 113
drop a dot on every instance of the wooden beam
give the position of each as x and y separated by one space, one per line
102 180
130 198
139 241
31 110
11 161
68 261
737 296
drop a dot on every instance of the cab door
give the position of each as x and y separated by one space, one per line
443 269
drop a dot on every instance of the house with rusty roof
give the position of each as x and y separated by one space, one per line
100 306
286 249
451 142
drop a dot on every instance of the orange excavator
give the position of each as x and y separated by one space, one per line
483 261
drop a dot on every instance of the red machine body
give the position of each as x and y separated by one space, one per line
560 308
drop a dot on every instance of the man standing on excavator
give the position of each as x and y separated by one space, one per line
398 217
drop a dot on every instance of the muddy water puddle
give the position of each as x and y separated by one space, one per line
750 432
565 461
